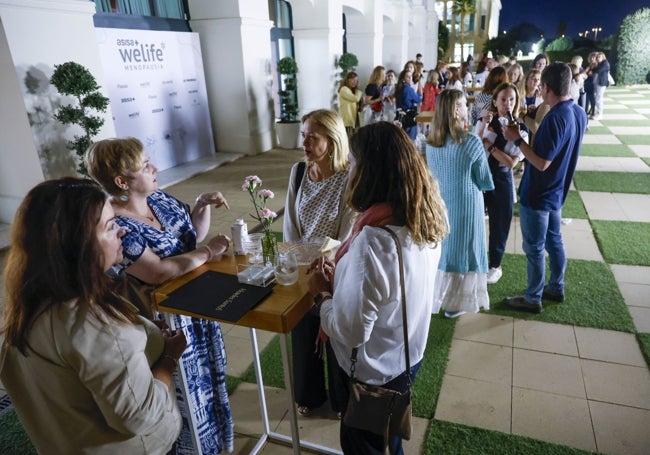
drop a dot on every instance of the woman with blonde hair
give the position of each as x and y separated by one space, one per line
457 159
601 82
515 74
160 243
373 97
316 208
359 298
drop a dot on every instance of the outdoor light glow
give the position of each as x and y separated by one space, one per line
596 30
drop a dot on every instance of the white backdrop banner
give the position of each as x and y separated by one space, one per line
156 85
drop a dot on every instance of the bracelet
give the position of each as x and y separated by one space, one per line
321 297
199 200
167 356
209 253
518 142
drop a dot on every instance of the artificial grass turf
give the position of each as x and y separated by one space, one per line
613 182
427 383
606 150
623 242
592 296
13 438
451 438
599 130
573 207
644 343
633 139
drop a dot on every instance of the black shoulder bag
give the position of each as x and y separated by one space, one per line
378 409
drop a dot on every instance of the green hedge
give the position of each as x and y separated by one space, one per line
633 49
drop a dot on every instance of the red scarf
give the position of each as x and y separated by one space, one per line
379 214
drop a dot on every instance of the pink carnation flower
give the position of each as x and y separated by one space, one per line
267 194
268 214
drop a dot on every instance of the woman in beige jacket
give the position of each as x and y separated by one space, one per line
85 372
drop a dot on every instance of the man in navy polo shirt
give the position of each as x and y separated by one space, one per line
544 187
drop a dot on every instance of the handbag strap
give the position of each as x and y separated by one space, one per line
400 261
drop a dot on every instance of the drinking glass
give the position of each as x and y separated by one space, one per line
252 244
286 268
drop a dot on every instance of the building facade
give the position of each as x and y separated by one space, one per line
478 27
238 58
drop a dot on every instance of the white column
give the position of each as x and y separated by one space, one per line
430 56
20 168
396 36
235 42
417 31
318 41
365 33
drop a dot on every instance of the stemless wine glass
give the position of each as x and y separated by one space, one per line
252 244
286 268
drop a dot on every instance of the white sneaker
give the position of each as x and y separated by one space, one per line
494 274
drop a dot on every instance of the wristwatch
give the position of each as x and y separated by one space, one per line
490 148
321 297
518 142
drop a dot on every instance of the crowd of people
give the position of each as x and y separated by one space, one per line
90 367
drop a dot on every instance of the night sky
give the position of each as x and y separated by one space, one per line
580 15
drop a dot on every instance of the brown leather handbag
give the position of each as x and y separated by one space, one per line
375 408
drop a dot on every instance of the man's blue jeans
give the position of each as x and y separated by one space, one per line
540 230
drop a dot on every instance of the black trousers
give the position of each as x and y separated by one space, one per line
361 442
500 208
309 368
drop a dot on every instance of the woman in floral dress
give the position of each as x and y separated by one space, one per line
160 244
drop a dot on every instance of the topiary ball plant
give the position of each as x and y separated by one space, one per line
73 79
288 93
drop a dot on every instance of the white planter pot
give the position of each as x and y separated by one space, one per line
288 135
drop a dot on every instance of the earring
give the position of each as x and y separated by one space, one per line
124 197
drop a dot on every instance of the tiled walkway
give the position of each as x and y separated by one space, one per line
576 386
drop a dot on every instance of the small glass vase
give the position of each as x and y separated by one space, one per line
269 248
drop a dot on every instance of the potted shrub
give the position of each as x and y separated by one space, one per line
73 79
288 127
344 64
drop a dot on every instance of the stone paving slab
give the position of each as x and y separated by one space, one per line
599 138
617 206
620 429
609 116
612 164
579 241
641 150
630 130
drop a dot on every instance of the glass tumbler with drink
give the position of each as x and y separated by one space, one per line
286 268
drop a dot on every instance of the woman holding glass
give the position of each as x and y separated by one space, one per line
359 298
160 244
84 371
316 208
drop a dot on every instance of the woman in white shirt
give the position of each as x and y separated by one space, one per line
360 300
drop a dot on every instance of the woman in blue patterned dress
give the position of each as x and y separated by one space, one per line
457 160
160 244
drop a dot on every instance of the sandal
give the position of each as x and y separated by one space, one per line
303 410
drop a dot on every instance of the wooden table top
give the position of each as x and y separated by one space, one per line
279 312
